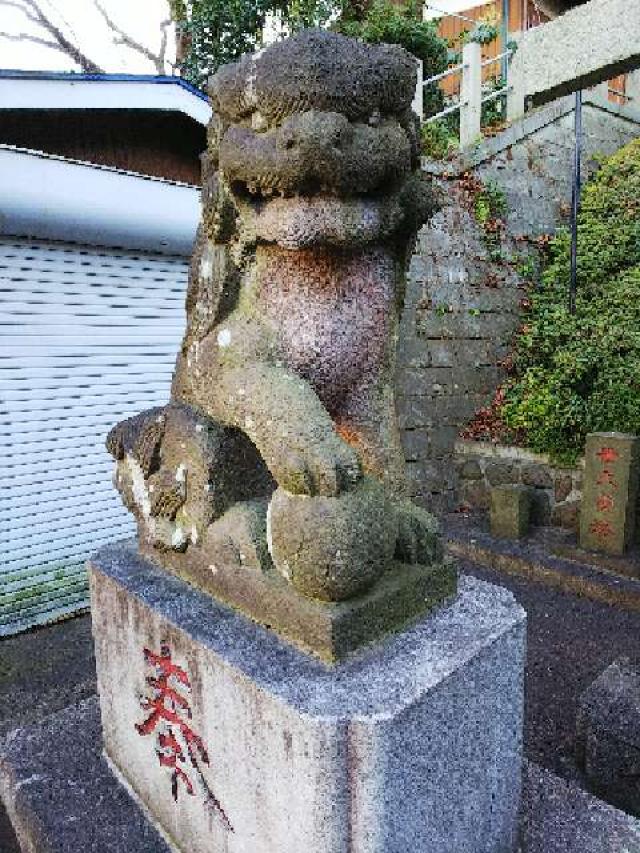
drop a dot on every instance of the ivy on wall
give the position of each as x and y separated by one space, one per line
575 374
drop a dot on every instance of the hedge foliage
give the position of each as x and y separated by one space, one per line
579 374
385 21
220 31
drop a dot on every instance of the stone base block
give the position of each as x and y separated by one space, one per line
331 631
608 735
235 741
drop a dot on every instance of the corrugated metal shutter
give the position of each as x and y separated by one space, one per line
89 336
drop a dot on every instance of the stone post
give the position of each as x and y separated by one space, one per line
516 94
510 511
470 94
607 517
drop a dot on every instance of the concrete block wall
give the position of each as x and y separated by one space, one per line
462 307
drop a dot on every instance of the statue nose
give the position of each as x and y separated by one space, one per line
315 136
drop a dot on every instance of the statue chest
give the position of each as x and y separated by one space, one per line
334 314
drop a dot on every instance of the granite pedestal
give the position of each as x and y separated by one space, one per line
234 741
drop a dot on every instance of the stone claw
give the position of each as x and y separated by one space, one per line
418 535
326 468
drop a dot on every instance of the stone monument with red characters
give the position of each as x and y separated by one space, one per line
608 511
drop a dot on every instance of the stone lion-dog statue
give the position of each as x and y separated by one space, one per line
274 478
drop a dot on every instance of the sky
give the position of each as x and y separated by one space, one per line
435 8
140 18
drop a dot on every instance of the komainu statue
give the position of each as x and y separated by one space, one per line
274 477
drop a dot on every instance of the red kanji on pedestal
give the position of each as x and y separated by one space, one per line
605 478
604 503
178 747
607 454
601 528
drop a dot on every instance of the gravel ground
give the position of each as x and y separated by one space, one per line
570 641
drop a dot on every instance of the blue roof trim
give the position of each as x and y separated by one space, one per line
103 78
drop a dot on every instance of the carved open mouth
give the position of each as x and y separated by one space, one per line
252 192
313 153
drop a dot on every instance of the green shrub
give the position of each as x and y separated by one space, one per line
437 140
403 25
579 374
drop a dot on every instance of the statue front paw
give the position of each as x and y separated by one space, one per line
323 466
419 539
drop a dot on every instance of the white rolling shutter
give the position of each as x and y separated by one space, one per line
88 337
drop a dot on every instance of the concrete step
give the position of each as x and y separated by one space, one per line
550 557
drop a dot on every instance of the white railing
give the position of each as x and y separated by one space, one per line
472 96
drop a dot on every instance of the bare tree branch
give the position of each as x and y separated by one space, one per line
162 52
33 10
123 38
64 20
28 37
60 42
16 4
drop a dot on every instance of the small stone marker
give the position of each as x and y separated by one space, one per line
510 511
607 516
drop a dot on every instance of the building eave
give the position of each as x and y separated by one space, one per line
49 197
64 90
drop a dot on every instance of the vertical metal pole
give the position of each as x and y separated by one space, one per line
505 39
575 202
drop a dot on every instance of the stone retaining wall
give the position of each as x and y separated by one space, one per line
463 302
556 491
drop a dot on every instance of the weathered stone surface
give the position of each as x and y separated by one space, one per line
476 494
415 443
282 416
414 744
500 473
328 631
566 514
332 548
559 817
556 816
551 62
470 470
540 507
563 486
608 511
608 735
537 476
510 511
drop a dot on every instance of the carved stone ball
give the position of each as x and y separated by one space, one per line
332 548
